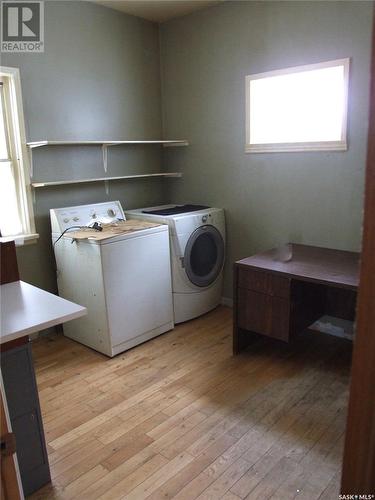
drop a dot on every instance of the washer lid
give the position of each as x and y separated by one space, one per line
204 256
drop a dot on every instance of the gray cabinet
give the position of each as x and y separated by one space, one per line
24 410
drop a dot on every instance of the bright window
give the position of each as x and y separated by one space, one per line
298 109
16 214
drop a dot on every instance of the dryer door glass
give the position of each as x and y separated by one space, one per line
204 256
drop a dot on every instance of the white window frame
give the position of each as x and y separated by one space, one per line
340 145
22 167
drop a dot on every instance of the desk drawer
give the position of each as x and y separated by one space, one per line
263 282
264 314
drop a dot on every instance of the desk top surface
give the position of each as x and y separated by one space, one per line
322 265
26 309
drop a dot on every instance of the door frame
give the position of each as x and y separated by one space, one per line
358 471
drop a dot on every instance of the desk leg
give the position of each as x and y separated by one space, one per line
236 334
241 338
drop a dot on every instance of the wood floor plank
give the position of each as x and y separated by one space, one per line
171 487
333 488
285 467
157 479
289 439
74 489
223 483
180 417
145 460
132 448
229 496
138 477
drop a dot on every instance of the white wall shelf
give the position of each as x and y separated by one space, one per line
165 143
104 145
104 179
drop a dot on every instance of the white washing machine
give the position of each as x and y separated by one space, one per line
124 281
197 236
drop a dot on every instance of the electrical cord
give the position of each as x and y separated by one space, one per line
95 226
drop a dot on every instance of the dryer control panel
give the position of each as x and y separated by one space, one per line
84 215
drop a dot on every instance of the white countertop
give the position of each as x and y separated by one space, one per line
26 309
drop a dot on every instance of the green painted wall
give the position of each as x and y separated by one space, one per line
99 78
313 198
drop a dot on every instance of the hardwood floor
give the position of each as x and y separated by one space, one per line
180 417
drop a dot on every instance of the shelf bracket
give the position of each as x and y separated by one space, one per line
31 165
105 157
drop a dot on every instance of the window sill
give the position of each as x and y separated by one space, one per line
21 239
296 147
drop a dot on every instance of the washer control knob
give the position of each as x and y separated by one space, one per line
93 215
76 219
66 220
204 218
111 212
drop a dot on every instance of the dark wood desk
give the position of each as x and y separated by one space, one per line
279 299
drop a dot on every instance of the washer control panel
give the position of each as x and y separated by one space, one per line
84 215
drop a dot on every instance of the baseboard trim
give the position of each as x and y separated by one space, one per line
226 301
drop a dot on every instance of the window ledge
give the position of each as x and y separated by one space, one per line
296 147
21 239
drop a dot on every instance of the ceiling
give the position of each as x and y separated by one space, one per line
157 10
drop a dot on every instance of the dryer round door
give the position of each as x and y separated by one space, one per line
204 256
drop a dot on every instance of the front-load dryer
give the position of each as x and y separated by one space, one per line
197 246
